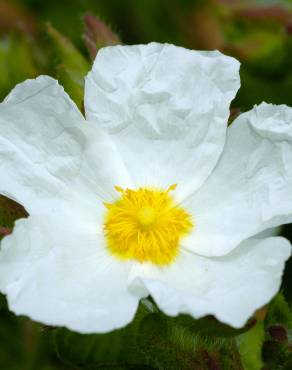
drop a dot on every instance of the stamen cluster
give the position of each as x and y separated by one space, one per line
146 225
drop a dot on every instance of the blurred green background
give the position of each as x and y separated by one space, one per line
60 38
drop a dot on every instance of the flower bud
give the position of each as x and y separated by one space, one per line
98 34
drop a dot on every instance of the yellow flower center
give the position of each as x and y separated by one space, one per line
145 225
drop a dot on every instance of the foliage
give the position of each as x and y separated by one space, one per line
60 38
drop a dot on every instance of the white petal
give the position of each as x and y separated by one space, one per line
166 107
46 148
250 190
57 271
231 288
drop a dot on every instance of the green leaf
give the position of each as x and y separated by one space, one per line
11 349
16 62
117 348
250 347
10 211
71 66
210 326
168 345
163 348
3 303
279 312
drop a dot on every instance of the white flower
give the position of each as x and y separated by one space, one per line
150 195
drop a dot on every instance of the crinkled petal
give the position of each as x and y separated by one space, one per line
47 150
250 190
166 107
57 271
231 288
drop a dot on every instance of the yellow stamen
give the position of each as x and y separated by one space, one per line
146 216
145 225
